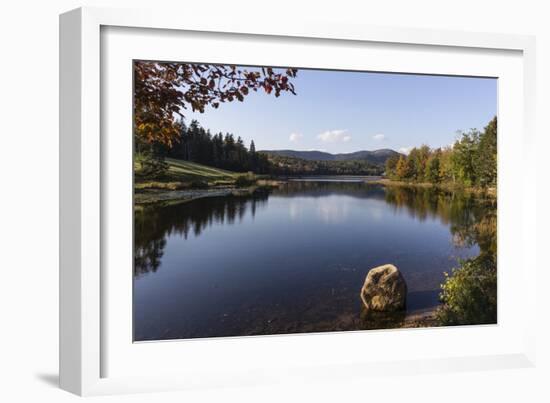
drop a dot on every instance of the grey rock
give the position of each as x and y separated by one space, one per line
384 289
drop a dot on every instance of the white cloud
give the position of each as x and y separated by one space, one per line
379 137
405 150
334 136
295 137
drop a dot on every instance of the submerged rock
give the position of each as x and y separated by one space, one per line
384 290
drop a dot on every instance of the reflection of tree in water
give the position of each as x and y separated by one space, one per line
153 224
469 292
472 218
147 258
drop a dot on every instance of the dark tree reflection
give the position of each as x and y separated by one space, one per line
471 218
154 223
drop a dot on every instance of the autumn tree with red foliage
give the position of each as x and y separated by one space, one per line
163 91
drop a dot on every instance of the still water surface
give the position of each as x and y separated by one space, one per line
291 260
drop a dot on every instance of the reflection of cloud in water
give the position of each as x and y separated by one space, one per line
332 209
294 210
331 212
376 212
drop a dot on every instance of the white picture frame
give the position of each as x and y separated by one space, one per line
93 348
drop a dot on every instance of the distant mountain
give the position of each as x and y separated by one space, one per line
377 157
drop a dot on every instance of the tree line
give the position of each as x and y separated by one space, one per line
220 150
282 165
226 151
471 161
197 144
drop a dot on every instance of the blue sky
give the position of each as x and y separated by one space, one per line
337 112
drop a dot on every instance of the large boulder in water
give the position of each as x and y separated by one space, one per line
384 290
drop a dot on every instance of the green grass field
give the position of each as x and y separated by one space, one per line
186 171
181 173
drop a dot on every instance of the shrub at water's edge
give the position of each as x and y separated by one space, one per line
469 294
245 180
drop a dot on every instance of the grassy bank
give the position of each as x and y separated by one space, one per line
185 181
169 197
184 174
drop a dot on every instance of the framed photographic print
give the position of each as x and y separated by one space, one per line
242 236
237 199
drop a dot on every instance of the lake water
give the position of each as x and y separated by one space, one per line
293 259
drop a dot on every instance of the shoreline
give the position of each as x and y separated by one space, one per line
153 196
422 318
149 196
443 186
